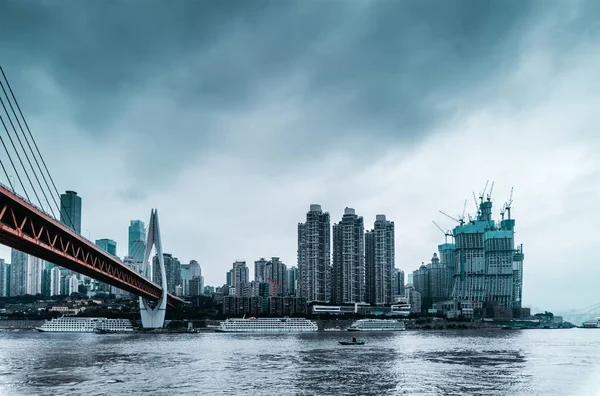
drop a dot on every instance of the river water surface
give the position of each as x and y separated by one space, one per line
482 362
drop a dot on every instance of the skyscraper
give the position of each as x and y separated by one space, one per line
399 282
172 270
276 271
108 245
189 272
55 281
26 274
314 255
488 268
4 281
259 270
70 211
240 274
380 261
348 268
137 240
292 281
195 269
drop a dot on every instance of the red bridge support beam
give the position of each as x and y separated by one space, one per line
26 228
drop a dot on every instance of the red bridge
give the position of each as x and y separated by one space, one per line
26 228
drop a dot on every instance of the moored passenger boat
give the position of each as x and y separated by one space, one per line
592 324
377 325
73 324
268 325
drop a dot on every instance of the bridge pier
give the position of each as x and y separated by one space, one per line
153 316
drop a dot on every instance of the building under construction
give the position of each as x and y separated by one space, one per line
484 265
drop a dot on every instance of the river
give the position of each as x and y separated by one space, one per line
468 362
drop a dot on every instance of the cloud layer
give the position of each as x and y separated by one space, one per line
232 119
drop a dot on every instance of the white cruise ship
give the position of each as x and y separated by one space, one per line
592 324
268 325
72 324
377 325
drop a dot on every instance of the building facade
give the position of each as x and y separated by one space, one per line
172 269
488 268
26 274
259 270
292 281
55 281
431 281
3 278
108 245
276 272
70 210
380 261
240 274
314 255
398 282
136 240
348 267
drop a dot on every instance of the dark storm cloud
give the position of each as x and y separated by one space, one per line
364 74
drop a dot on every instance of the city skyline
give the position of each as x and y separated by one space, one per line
231 140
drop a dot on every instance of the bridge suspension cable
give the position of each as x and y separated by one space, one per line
53 194
41 172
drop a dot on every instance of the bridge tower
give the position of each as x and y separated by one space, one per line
153 314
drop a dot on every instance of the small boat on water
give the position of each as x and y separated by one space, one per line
353 342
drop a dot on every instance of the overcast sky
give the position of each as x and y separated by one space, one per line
232 118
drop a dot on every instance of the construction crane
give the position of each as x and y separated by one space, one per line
461 218
446 233
509 202
450 217
483 193
489 196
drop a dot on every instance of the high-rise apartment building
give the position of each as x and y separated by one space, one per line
55 281
431 281
414 298
292 281
314 255
380 261
276 272
26 274
172 269
398 282
348 267
259 270
108 245
2 278
240 274
195 269
136 240
70 211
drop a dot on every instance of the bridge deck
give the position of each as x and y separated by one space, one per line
27 228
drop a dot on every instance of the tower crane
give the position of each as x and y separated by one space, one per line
509 202
446 233
461 218
450 217
483 193
489 196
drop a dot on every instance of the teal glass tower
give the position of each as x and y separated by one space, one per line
70 210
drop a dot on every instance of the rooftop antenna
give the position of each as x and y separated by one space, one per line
446 233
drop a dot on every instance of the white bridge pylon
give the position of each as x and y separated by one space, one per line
154 317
